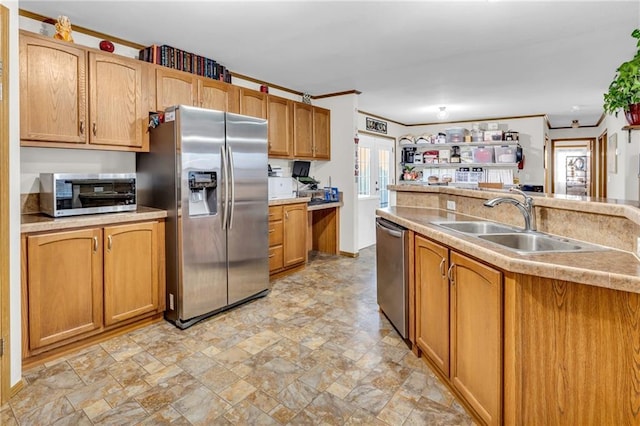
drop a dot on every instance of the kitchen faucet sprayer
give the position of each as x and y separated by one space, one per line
526 207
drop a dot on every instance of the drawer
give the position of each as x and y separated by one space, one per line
275 213
275 233
275 258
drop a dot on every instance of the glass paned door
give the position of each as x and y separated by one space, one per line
375 158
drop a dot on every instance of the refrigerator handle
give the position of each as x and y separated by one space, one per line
232 180
225 178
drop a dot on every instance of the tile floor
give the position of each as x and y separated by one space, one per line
315 351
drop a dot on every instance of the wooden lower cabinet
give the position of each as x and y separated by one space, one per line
64 273
476 335
295 234
432 301
275 239
131 273
287 237
458 315
79 283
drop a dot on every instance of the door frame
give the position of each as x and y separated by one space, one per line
4 207
603 142
591 144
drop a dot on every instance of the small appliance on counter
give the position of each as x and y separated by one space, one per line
72 194
281 187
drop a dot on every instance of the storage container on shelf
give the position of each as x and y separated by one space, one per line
493 135
455 134
483 155
505 154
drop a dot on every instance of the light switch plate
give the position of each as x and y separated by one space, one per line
451 205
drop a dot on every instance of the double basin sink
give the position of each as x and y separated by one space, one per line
517 240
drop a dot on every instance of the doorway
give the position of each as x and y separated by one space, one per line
573 167
376 171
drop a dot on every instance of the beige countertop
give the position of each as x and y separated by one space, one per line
284 201
38 222
614 269
629 209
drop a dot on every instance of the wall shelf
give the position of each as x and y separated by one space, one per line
629 129
458 165
434 146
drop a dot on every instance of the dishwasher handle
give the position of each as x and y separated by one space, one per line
393 232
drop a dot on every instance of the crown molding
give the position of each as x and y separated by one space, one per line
82 30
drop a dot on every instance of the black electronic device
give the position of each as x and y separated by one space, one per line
300 169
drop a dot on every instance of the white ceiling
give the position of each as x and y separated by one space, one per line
480 59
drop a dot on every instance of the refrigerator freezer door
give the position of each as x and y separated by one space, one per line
247 234
204 263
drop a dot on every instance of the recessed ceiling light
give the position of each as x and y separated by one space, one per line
443 113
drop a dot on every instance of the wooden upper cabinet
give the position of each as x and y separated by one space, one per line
131 278
115 92
64 285
280 127
253 103
218 95
302 130
322 133
53 98
175 88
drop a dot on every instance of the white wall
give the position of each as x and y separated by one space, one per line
624 184
14 196
342 165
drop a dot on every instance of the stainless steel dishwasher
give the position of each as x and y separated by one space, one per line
392 272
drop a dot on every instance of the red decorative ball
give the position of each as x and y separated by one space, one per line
107 46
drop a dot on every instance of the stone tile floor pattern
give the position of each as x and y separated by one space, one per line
315 351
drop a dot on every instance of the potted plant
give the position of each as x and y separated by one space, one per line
624 90
408 173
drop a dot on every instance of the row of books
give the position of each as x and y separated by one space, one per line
184 61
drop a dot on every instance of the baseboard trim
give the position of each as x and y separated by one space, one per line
13 390
348 254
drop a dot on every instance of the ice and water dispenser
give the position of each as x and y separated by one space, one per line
203 190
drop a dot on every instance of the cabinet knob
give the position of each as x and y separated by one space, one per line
95 129
109 242
271 255
442 271
95 244
81 127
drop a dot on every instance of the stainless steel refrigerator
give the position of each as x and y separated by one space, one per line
208 169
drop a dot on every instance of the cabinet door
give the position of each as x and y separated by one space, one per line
302 130
253 103
53 81
322 133
64 282
175 88
432 301
115 93
280 127
295 234
213 94
130 271
476 335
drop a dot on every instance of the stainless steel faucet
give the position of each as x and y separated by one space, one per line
526 207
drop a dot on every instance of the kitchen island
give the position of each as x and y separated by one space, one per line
526 338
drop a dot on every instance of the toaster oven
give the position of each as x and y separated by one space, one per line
70 194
